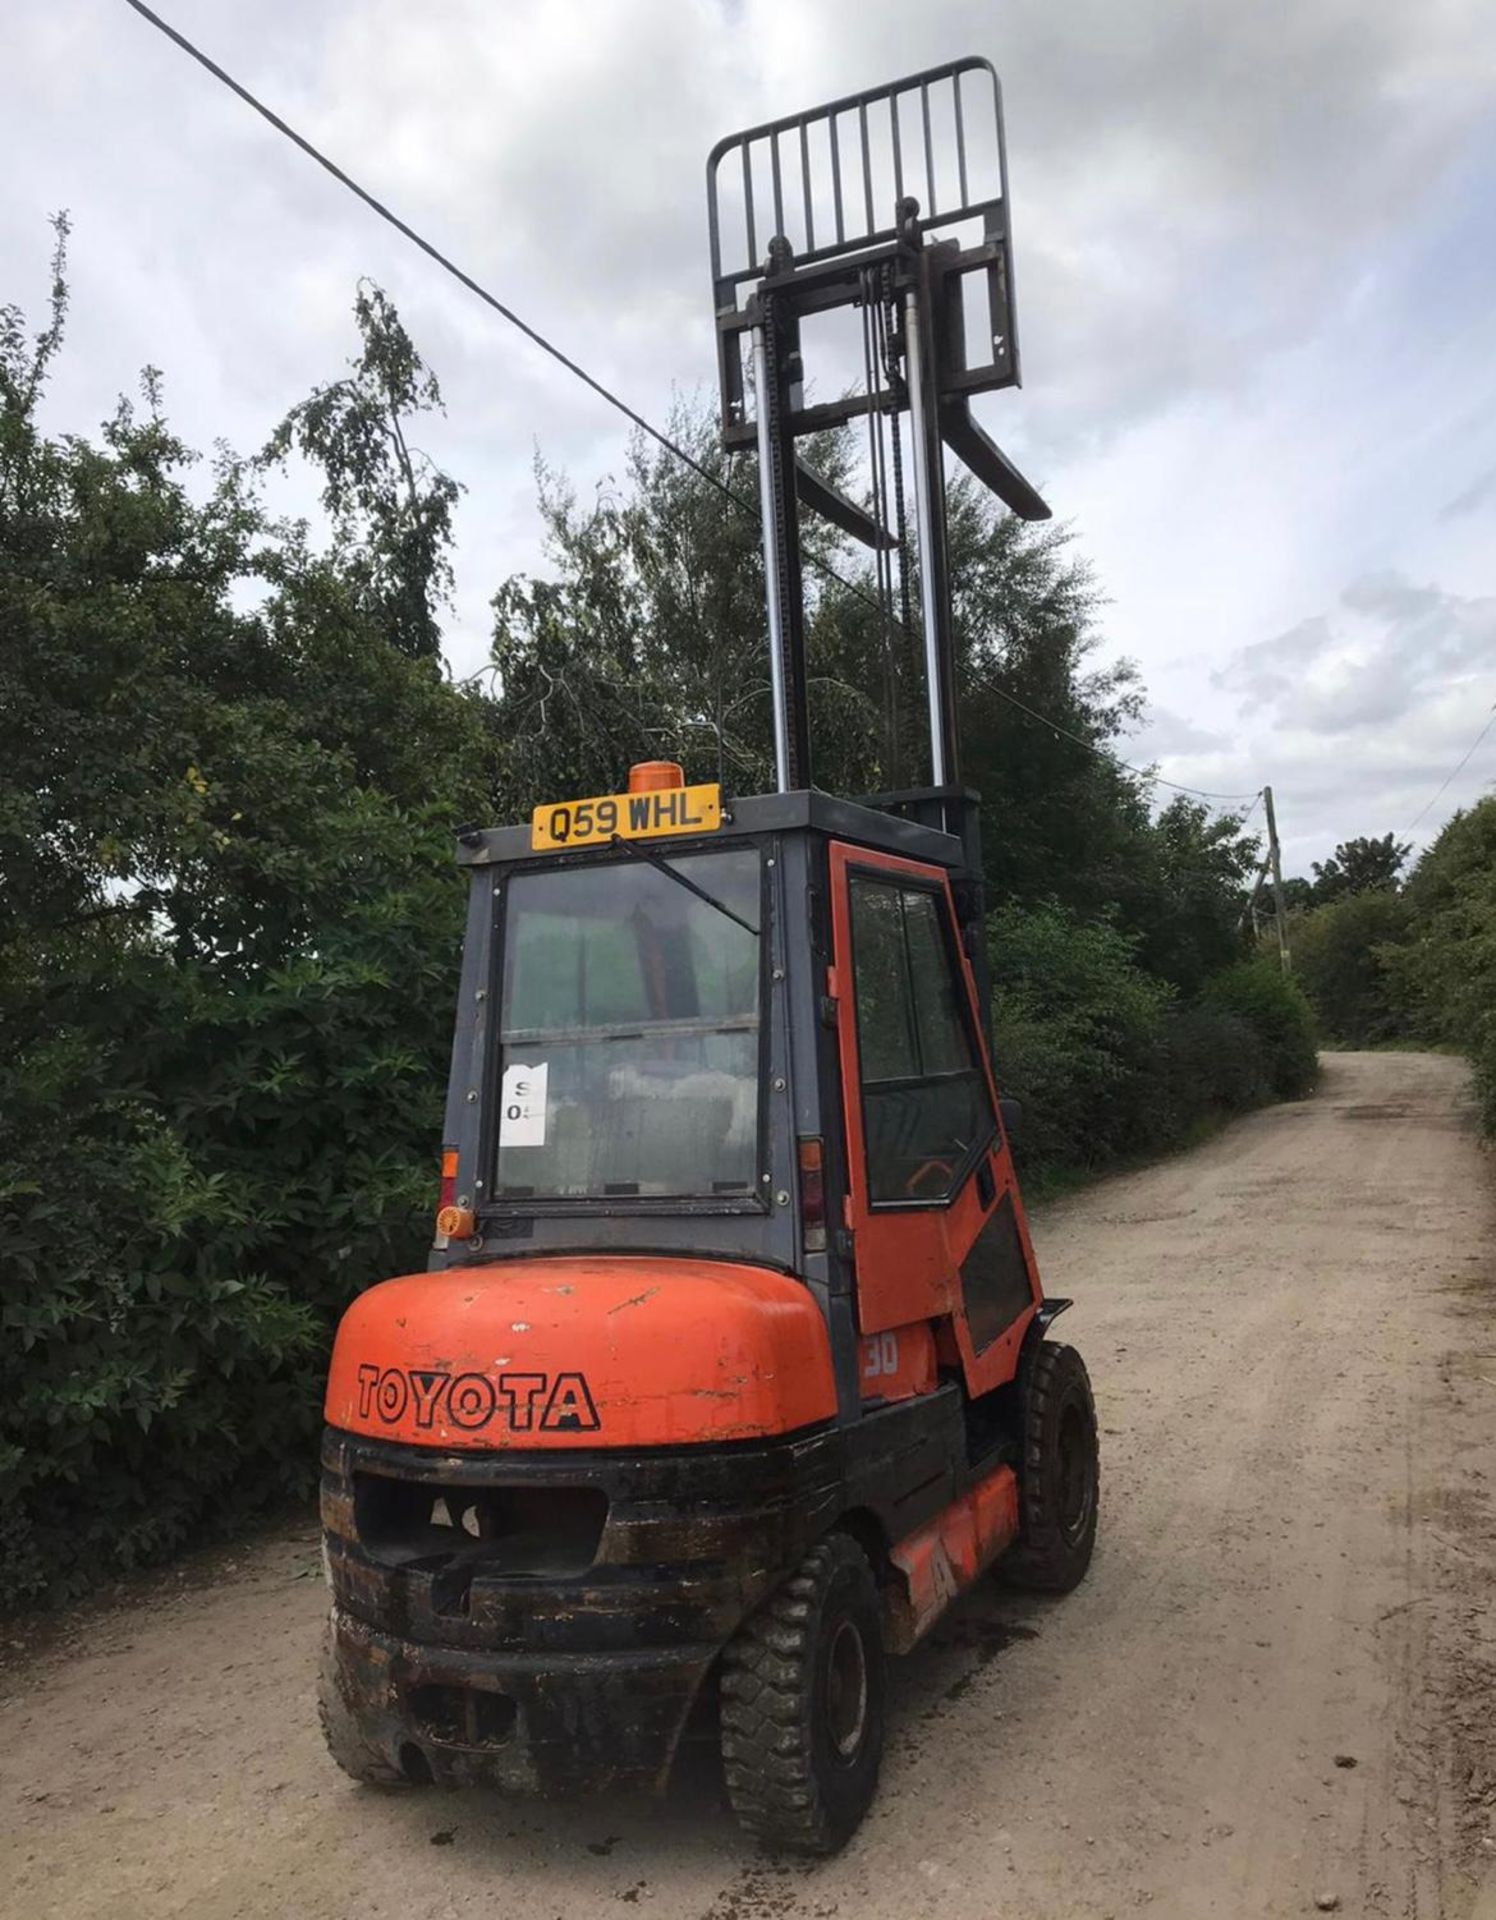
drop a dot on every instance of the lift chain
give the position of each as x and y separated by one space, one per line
780 486
874 354
899 393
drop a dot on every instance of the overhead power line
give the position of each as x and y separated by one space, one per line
604 393
1103 753
432 252
1450 778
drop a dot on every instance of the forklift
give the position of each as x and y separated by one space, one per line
730 1370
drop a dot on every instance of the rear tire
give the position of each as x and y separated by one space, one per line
803 1685
1059 1477
341 1730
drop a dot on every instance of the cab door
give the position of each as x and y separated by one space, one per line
939 1241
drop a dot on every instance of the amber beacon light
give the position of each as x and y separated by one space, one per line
654 776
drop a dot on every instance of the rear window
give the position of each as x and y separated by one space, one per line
629 1043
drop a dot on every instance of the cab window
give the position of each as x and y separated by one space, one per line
925 1106
629 1031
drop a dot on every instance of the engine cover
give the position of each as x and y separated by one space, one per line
582 1351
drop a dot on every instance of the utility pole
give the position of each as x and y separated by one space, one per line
1277 872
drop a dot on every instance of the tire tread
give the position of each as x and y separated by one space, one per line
1041 1560
768 1712
345 1741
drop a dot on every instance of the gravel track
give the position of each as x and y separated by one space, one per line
1278 1683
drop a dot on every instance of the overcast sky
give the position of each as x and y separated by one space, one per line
1256 254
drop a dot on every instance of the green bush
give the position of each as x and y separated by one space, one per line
146 1381
1259 994
1076 1025
1445 970
1210 1062
1340 959
1104 1059
229 924
200 1170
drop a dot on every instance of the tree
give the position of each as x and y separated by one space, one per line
1360 866
391 508
649 639
1340 960
1183 892
1061 819
229 923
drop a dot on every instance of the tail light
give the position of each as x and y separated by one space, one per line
812 1193
452 1221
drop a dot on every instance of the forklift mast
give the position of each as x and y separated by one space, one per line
893 202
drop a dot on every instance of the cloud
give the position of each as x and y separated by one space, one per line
1268 670
1192 190
1363 710
1164 734
1481 489
1389 647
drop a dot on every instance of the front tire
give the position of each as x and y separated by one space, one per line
803 1685
341 1730
1059 1478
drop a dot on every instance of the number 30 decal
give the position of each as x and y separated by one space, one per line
880 1355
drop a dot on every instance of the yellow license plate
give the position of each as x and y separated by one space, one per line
631 816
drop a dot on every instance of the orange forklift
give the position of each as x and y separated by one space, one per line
731 1369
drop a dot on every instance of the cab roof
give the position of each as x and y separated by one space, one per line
883 823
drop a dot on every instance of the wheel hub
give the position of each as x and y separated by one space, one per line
846 1689
1075 1489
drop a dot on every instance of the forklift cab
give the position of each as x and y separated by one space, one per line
760 1043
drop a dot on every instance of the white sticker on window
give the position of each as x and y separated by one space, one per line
522 1106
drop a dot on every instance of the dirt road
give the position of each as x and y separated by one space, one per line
1278 1683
